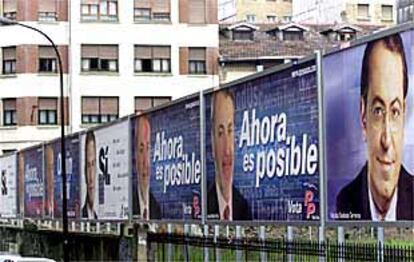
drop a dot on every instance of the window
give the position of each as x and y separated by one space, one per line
363 11
386 11
9 112
47 59
242 35
152 10
293 35
10 9
99 58
251 18
47 11
152 59
347 36
47 114
9 60
99 10
196 11
96 110
144 103
271 19
197 60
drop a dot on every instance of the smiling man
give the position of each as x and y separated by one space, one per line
223 198
383 190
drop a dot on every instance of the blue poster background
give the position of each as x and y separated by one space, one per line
181 120
72 176
33 182
293 92
346 152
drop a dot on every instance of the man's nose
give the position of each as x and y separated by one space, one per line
386 135
227 144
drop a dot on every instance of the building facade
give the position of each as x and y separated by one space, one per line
255 11
405 11
119 57
378 12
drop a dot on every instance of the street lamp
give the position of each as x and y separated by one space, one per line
6 21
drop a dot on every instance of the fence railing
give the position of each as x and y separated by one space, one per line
192 248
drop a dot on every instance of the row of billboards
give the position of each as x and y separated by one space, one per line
251 151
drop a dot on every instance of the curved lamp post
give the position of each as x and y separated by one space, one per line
6 21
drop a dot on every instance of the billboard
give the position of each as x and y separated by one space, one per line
262 148
31 164
8 186
105 173
166 163
53 178
370 130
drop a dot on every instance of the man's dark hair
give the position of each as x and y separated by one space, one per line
392 43
227 94
90 136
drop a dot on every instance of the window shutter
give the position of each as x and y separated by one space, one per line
9 53
161 100
143 52
47 6
142 4
108 52
47 52
90 51
161 6
9 6
47 103
197 54
9 104
161 52
109 105
90 105
90 2
142 103
196 11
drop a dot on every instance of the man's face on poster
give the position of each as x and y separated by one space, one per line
90 171
143 152
383 120
223 141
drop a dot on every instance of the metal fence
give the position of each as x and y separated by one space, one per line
172 247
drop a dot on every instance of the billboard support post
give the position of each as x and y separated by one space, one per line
341 242
216 236
169 245
321 146
202 160
290 240
262 236
380 244
206 258
239 254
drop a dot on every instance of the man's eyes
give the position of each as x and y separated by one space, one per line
378 111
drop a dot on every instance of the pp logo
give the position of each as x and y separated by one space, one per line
309 204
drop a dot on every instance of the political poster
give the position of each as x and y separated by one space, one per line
105 173
262 148
32 167
166 163
53 198
8 186
369 112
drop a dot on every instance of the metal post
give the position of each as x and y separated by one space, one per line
66 248
169 246
341 243
290 242
262 236
186 246
380 243
206 259
322 168
239 252
216 236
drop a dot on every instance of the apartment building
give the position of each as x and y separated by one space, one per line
378 12
255 11
119 57
405 11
